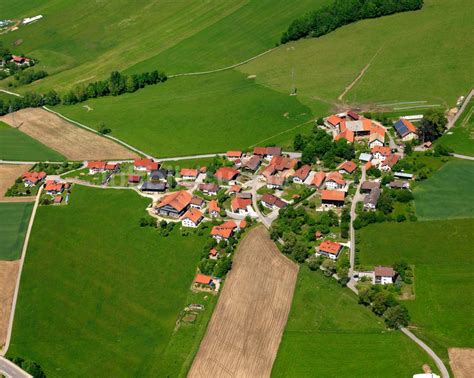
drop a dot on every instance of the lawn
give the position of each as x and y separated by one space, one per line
405 51
193 115
14 218
20 147
441 252
461 138
100 296
329 335
448 193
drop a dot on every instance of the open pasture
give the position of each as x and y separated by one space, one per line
14 218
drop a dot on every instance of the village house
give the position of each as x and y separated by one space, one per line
253 163
240 205
399 184
174 205
376 140
102 166
371 199
318 179
333 198
53 187
209 189
20 60
133 179
159 174
226 174
144 164
267 152
213 254
389 163
233 155
365 157
275 182
188 174
224 231
192 218
351 126
272 202
197 203
384 275
153 187
58 199
405 129
329 249
334 180
381 153
234 189
33 178
404 175
203 280
213 208
347 167
367 186
301 174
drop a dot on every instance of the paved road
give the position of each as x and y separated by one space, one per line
9 369
441 367
453 121
10 93
465 157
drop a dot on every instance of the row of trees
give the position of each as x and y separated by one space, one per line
343 12
320 145
27 77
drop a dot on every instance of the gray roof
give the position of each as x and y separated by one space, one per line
159 174
369 185
365 156
153 187
373 197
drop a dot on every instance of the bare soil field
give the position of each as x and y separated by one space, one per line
461 361
71 141
245 330
8 276
8 174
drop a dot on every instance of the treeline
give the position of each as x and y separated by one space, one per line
116 85
27 77
343 12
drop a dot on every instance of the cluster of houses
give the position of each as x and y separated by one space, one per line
53 185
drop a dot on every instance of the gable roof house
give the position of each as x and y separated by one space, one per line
275 182
96 166
152 187
240 205
267 152
133 179
192 218
334 180
53 187
189 174
145 165
389 162
174 205
318 179
210 189
213 208
367 186
253 163
32 178
301 174
384 275
347 167
329 248
272 202
405 129
226 174
159 174
376 139
333 197
381 152
224 231
333 121
233 155
371 199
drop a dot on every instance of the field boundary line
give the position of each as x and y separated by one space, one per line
18 279
282 132
223 68
461 110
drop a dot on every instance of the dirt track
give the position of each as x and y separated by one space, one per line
246 328
8 174
8 275
461 361
69 140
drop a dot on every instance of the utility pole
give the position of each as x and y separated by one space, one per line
293 86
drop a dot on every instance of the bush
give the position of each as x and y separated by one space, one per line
314 262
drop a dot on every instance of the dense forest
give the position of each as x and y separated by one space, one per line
343 12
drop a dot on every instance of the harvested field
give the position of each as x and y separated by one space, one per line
461 361
8 276
69 140
247 325
8 174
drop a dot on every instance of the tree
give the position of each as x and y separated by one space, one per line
206 266
432 125
69 98
396 317
131 84
300 252
171 182
116 83
385 203
314 262
223 266
103 129
51 98
379 303
404 196
408 149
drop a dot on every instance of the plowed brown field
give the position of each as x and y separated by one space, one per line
8 276
247 325
462 362
69 140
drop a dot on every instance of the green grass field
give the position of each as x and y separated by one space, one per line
14 218
15 145
100 295
448 193
441 252
204 114
329 335
406 52
461 138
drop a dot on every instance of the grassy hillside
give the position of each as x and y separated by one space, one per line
329 335
14 218
192 115
441 252
448 193
20 147
415 56
101 297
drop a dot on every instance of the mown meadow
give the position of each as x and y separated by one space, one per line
101 296
14 218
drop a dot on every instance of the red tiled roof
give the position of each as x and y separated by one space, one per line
391 160
213 206
348 166
197 201
226 173
58 199
33 177
111 166
276 180
318 178
189 172
336 177
382 150
133 178
353 115
384 271
240 203
334 120
273 200
366 124
410 126
377 129
213 252
149 164
224 230
234 154
330 247
193 214
281 163
303 172
177 200
96 164
235 189
333 195
203 279
347 135
53 186
368 165
260 151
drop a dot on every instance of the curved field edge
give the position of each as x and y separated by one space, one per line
329 334
100 295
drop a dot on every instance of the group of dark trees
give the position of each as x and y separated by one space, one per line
384 304
116 85
27 77
320 145
30 367
343 12
432 125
